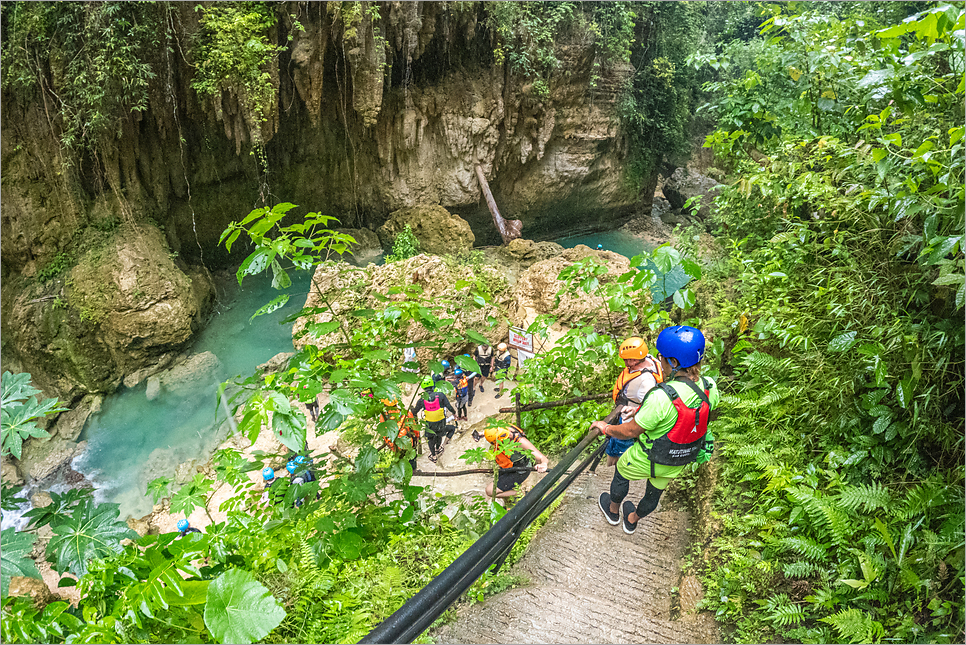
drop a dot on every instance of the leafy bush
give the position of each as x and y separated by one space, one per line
61 262
405 246
18 410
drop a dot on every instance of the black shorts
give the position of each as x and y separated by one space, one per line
507 481
436 427
484 369
450 430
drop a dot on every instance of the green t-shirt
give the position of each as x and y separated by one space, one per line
657 415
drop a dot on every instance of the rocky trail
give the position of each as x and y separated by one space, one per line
589 582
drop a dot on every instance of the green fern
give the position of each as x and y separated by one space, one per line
807 547
800 569
783 611
855 626
871 496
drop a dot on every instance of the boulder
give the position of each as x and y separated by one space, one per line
9 473
528 252
685 184
143 525
185 471
673 219
132 379
439 232
276 363
43 457
41 499
70 424
367 248
36 590
153 388
537 288
191 375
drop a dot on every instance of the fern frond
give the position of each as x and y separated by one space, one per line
855 626
871 496
838 524
806 547
800 569
789 614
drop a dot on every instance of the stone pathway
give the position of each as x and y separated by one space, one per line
590 582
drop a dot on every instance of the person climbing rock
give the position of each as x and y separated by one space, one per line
641 373
431 404
670 428
184 528
407 425
507 482
300 473
501 365
483 355
462 394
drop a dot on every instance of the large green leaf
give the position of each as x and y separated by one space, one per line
842 342
14 548
18 408
92 531
240 609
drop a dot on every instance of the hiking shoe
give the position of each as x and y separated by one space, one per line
498 395
476 435
629 508
604 502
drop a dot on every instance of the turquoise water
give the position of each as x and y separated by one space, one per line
133 440
630 245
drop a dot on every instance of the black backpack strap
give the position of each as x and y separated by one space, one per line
697 390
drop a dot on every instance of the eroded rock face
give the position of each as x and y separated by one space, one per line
124 306
36 590
70 424
367 248
439 232
41 459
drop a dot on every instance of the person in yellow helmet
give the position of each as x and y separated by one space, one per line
641 373
506 481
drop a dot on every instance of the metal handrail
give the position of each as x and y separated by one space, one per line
420 611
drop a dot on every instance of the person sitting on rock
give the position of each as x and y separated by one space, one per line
483 354
670 429
501 366
507 482
432 404
641 373
184 528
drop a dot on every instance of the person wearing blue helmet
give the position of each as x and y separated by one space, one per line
462 394
471 380
268 477
600 247
670 428
298 466
184 528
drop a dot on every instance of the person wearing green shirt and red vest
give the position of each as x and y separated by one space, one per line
670 429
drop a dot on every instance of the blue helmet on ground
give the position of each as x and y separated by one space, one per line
268 474
681 342
183 525
445 365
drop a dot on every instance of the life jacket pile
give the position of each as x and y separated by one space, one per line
680 445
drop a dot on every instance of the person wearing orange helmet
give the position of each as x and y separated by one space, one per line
507 482
641 373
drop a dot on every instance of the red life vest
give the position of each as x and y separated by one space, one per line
680 445
463 386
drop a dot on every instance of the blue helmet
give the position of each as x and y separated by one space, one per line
183 525
291 467
268 474
686 344
445 365
600 247
458 372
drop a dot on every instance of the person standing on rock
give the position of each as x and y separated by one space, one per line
462 394
501 364
670 428
431 404
641 373
483 355
507 482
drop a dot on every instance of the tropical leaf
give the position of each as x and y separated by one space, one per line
13 560
240 609
18 408
92 531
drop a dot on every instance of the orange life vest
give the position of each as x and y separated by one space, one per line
503 460
627 376
407 427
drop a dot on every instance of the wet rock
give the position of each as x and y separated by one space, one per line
76 479
439 232
192 375
134 378
367 247
673 219
276 363
185 471
143 526
685 184
528 252
42 458
36 590
153 389
9 473
41 499
70 424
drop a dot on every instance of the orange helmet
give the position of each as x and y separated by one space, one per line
634 349
501 347
493 434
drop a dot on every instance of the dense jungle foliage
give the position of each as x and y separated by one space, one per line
835 301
